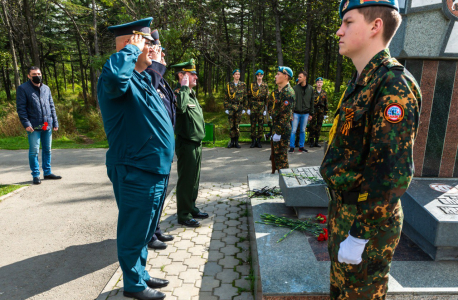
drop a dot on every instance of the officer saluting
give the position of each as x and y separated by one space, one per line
190 130
141 144
369 165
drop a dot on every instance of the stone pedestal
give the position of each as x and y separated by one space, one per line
427 45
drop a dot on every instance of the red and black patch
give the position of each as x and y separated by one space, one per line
286 103
394 113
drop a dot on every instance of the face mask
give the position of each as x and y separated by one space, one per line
36 79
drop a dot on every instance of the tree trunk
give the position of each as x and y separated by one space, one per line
73 78
56 76
17 81
315 57
63 74
308 37
228 71
83 82
338 74
32 35
278 34
242 69
96 49
6 85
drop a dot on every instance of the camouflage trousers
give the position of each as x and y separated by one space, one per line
257 119
235 117
369 279
314 127
281 153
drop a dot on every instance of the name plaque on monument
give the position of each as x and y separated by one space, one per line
304 190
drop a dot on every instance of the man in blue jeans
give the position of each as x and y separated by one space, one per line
302 109
37 113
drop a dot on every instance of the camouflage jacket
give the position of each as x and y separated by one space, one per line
257 97
280 103
371 152
236 96
320 101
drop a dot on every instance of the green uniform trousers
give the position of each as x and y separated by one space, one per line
257 125
369 279
189 156
234 117
281 153
139 196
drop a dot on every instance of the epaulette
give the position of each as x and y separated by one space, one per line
177 91
393 63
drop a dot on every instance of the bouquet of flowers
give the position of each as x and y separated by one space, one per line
42 127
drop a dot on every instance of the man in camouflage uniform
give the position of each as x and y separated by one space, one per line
234 104
320 99
369 165
280 103
257 97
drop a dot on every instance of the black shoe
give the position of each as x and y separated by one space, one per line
231 143
302 149
190 223
253 143
316 144
146 294
165 237
52 176
155 283
291 150
36 180
157 244
236 143
200 215
312 142
258 143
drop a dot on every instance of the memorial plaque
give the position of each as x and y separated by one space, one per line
449 200
449 210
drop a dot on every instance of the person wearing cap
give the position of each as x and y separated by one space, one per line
257 100
369 162
141 144
321 109
302 111
234 105
190 131
157 70
280 103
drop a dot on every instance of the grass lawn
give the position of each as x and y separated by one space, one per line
6 189
21 142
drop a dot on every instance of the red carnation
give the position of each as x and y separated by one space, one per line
321 218
323 236
45 126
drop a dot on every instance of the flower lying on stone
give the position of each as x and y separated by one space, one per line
321 218
323 236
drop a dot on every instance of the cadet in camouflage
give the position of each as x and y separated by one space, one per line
320 99
234 104
280 103
369 165
258 92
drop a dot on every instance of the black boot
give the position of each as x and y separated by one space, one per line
231 144
253 143
258 143
312 142
236 142
316 144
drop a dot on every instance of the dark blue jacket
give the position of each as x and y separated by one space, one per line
35 106
156 71
137 125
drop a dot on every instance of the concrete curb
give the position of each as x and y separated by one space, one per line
13 192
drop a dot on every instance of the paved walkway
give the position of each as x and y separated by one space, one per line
207 263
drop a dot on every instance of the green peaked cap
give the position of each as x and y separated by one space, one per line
189 66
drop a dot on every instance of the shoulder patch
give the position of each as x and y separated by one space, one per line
394 113
286 103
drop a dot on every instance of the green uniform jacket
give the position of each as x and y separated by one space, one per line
190 119
257 97
372 150
236 97
137 125
320 101
280 110
303 103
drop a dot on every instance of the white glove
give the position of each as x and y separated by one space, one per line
270 117
227 112
243 112
248 112
264 113
276 137
351 250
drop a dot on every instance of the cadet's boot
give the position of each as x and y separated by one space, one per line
231 144
236 142
312 142
253 143
258 143
316 144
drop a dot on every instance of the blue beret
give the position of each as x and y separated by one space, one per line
140 27
286 70
347 5
319 78
259 72
236 70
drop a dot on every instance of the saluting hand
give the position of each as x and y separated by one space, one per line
185 80
137 40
